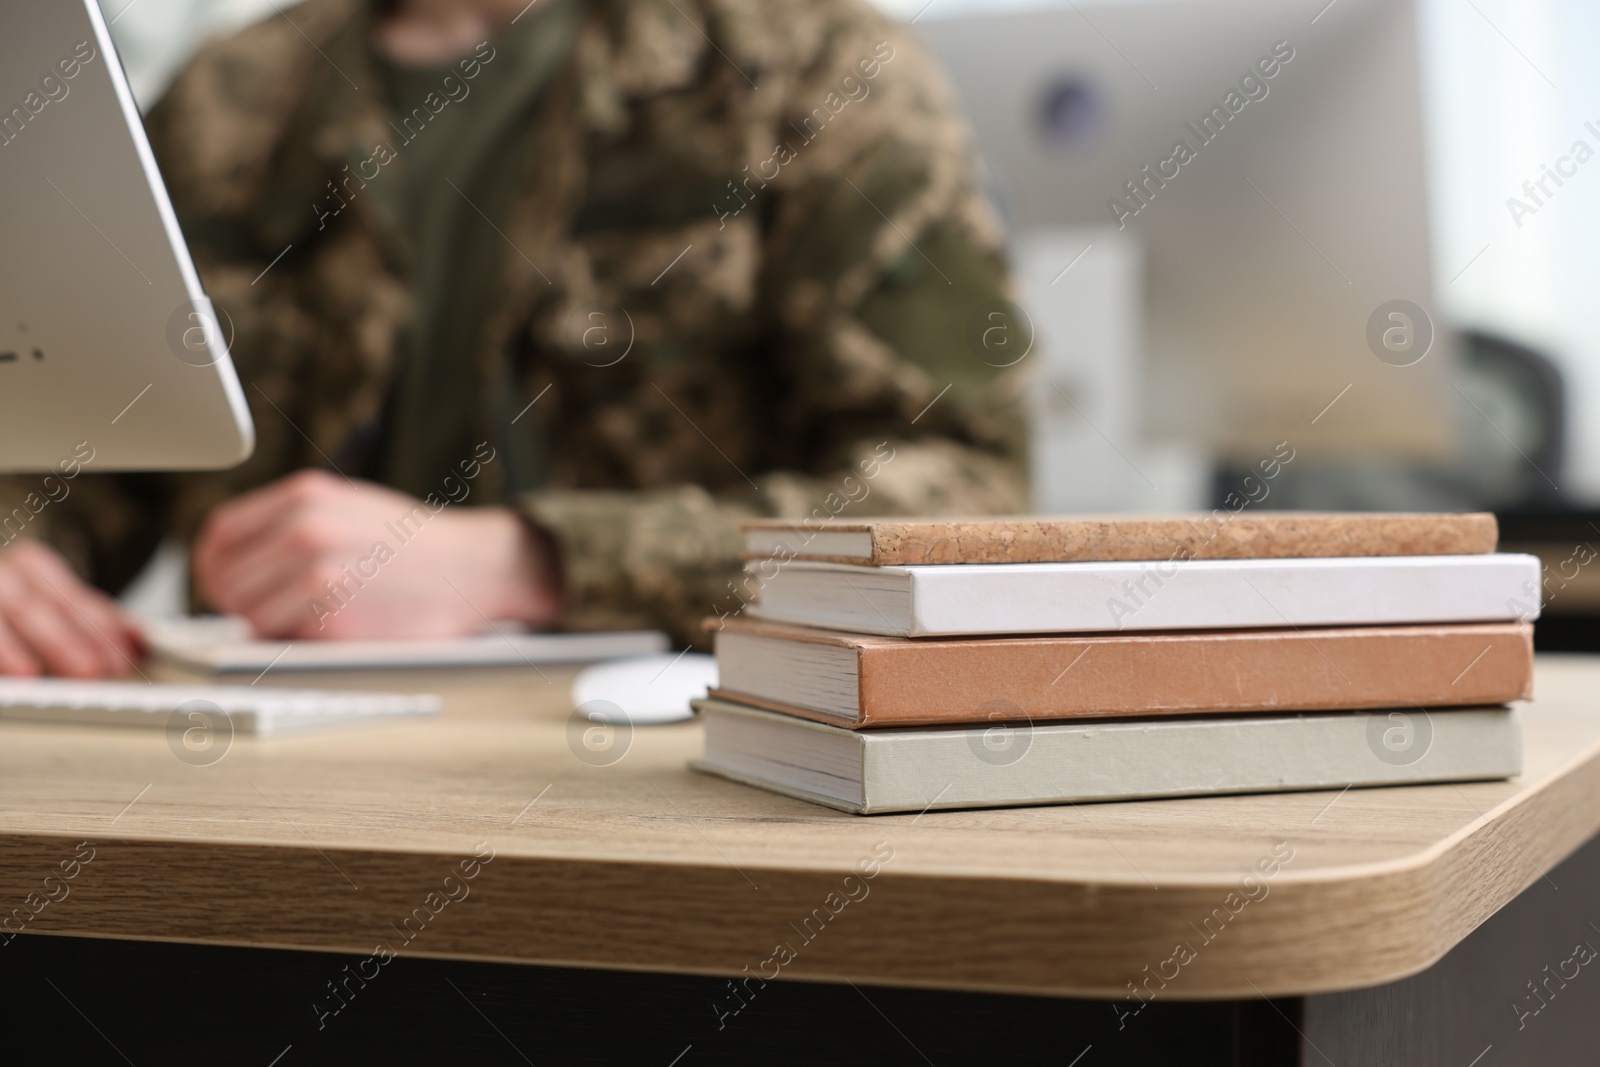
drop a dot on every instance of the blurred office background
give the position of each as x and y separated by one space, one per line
1500 415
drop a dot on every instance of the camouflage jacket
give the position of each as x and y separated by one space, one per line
748 272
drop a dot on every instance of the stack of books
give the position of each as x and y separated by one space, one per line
907 665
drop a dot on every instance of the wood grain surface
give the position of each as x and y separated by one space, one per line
330 841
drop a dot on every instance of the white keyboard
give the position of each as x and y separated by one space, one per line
248 709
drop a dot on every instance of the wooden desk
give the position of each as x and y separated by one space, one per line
330 841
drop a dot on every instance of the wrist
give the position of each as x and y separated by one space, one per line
528 583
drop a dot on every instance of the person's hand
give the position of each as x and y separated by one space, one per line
314 555
51 621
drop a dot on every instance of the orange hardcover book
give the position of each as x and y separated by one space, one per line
1219 534
857 680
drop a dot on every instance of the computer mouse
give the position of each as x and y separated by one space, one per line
649 689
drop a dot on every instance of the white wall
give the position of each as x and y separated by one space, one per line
1496 120
155 37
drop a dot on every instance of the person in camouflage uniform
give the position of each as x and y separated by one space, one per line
729 259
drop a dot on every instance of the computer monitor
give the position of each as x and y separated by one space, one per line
108 345
1277 242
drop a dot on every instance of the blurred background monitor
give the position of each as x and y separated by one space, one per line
1259 182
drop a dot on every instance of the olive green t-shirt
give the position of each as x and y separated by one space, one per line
463 139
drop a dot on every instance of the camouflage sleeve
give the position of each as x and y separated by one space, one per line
883 267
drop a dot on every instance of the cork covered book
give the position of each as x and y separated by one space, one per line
1220 534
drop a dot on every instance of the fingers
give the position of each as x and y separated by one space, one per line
18 655
263 528
236 580
308 602
63 647
269 584
93 613
281 556
248 515
252 515
16 658
50 620
290 613
230 525
245 587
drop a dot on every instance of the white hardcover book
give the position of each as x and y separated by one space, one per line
870 772
1005 598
